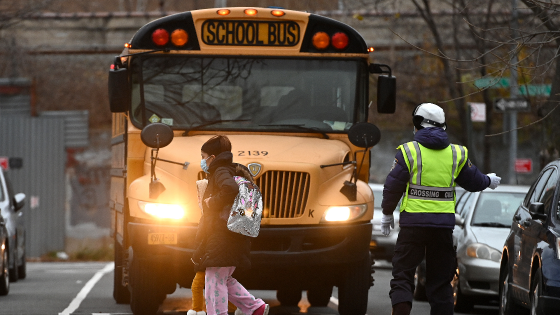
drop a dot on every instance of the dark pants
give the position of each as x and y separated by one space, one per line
436 244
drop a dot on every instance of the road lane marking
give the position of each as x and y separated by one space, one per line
85 290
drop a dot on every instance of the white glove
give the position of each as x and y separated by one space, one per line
494 180
387 221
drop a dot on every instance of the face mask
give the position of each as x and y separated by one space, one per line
413 130
203 165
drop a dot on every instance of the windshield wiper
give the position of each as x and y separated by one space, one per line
325 135
491 224
213 122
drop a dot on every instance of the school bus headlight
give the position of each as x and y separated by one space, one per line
344 213
162 210
340 40
321 40
160 37
179 37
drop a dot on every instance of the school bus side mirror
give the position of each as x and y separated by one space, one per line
386 88
386 94
156 135
364 135
119 90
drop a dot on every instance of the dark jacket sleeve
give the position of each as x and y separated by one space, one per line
395 184
471 178
226 188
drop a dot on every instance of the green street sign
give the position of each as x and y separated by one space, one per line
527 90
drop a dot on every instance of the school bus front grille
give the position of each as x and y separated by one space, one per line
284 193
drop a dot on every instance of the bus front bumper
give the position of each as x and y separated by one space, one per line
309 253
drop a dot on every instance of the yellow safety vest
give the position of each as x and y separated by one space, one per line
431 188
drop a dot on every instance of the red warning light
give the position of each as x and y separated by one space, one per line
160 37
340 40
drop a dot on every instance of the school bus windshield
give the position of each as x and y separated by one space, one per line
249 94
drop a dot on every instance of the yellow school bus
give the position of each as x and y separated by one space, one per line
290 90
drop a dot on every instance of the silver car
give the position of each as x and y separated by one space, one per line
382 247
483 226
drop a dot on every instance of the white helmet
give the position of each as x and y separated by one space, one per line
428 115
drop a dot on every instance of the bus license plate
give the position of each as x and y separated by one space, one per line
162 238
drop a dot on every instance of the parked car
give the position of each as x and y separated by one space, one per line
5 272
382 247
530 260
485 219
12 223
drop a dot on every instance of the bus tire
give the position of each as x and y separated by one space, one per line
120 292
288 296
354 287
145 295
320 295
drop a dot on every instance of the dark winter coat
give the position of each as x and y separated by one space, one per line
218 246
470 178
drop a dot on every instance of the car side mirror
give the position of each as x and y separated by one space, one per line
19 201
536 209
458 220
119 90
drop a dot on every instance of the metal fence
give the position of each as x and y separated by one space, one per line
39 141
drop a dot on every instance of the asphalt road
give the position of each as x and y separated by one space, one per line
86 288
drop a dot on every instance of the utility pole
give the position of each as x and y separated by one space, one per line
220 3
514 93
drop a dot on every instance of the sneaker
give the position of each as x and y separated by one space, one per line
193 312
262 310
238 312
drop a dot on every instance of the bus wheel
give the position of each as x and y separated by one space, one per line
145 295
354 287
288 296
120 292
319 296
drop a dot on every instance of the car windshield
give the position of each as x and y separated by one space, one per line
297 95
496 209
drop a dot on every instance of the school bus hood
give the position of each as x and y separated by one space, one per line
283 166
283 152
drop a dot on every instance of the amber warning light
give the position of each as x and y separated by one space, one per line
277 12
179 37
250 11
370 49
223 12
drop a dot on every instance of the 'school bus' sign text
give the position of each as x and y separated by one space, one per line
250 33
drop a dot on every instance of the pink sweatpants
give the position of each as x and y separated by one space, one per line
221 287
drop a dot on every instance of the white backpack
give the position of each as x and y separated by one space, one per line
246 212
